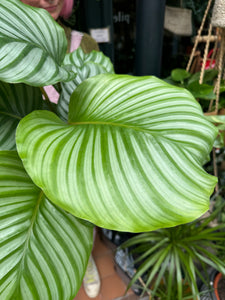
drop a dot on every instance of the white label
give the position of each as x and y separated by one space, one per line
101 35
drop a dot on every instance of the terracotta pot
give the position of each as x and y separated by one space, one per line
219 286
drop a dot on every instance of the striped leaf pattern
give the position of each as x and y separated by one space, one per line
78 58
16 101
43 249
87 65
130 158
32 46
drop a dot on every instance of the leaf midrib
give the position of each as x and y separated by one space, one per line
26 243
108 124
10 115
136 128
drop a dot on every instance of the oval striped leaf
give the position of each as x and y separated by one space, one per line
43 249
87 65
78 58
129 159
16 101
32 46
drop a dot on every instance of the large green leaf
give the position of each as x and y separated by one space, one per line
16 101
32 46
87 65
43 249
129 159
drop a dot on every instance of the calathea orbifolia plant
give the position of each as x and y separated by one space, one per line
121 152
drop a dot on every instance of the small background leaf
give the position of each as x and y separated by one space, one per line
180 75
217 119
87 65
202 91
43 249
209 76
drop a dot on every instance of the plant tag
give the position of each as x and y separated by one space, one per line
101 35
178 20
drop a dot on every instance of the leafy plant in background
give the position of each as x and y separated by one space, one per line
203 92
219 121
173 260
122 152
